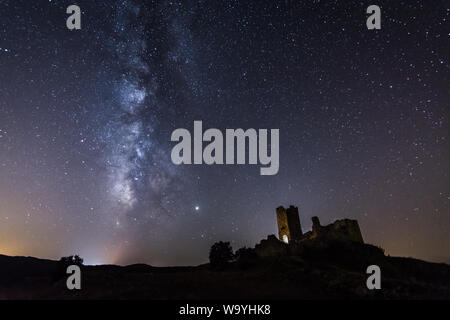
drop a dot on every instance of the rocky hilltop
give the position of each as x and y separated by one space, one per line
328 262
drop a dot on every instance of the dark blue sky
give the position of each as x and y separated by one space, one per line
86 118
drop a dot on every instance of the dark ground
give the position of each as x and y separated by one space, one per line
333 272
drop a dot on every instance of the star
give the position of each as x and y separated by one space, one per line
86 119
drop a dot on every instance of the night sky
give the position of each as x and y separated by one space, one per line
86 118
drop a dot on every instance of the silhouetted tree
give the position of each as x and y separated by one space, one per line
64 262
220 254
70 260
246 257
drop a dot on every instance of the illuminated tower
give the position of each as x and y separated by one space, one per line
289 227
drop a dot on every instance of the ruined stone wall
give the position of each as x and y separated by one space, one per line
349 229
289 224
271 247
345 230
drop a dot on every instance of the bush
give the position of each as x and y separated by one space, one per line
220 254
246 257
70 260
63 263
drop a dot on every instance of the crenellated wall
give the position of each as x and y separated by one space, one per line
345 230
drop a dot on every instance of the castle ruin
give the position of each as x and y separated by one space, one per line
291 239
289 228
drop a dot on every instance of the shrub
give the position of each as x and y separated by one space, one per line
246 257
220 254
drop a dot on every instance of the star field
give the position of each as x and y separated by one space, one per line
86 118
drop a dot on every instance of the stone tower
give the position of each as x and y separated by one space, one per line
289 227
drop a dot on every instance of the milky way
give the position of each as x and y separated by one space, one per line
86 118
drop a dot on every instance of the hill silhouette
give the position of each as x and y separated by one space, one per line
319 269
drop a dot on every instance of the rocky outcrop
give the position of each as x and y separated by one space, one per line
271 247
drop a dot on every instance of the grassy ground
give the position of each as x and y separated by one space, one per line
314 276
